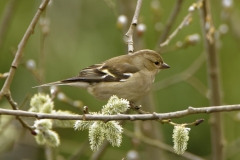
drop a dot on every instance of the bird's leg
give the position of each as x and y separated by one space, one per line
138 109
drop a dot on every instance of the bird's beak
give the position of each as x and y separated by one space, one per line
165 66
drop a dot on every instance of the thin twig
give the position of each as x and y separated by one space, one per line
170 21
208 31
4 75
187 73
185 22
3 128
129 33
14 106
21 46
159 144
195 123
131 117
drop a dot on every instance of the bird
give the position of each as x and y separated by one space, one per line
128 76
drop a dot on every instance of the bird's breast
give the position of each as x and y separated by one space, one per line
132 89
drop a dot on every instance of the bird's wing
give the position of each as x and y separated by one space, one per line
118 72
104 73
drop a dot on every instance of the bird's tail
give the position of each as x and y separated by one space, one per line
65 83
50 84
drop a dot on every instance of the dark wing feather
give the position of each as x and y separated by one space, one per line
104 73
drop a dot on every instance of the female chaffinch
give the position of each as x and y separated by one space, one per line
128 76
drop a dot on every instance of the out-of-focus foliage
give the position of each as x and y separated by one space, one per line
82 33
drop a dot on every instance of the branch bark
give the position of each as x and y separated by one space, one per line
131 117
213 80
129 33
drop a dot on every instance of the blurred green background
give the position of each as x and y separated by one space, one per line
85 32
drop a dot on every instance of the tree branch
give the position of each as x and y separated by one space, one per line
208 31
129 33
6 87
131 117
22 44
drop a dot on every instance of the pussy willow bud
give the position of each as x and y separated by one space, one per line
44 24
180 138
53 90
132 155
227 4
31 64
122 22
158 26
43 124
61 96
191 8
223 29
141 28
41 103
179 44
77 104
155 5
193 39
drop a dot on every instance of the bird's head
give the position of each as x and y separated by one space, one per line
150 60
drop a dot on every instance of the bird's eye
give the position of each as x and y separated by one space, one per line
157 63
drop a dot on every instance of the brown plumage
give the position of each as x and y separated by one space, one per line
128 76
